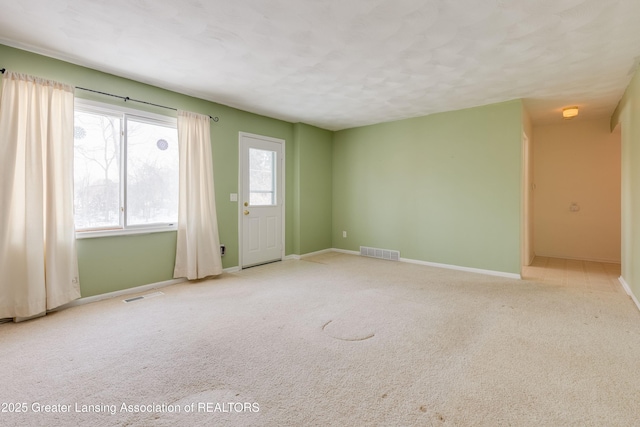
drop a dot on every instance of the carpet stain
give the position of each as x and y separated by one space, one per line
423 408
348 335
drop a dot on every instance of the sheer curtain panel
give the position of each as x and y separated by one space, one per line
198 248
38 260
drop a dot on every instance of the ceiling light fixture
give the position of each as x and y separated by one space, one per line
569 112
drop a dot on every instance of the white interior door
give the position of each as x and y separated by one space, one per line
261 199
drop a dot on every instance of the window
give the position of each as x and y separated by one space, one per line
125 170
261 177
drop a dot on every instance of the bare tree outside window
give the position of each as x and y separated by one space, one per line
96 170
145 189
152 173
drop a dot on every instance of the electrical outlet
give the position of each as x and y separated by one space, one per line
344 234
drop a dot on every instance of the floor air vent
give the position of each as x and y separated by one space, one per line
141 297
380 253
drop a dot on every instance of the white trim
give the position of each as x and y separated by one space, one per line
125 231
430 264
467 269
128 291
89 105
345 251
237 268
407 260
282 190
240 203
627 289
324 251
158 285
115 294
125 114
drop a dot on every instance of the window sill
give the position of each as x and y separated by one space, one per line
125 232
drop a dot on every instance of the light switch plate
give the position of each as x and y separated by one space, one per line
233 197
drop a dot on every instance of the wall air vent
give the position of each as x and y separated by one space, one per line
380 253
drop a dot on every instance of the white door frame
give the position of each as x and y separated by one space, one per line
280 189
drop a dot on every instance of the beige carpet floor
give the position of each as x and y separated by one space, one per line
332 340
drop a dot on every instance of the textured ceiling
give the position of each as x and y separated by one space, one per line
344 63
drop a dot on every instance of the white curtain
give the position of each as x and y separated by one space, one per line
38 261
198 248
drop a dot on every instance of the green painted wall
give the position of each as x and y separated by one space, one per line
627 114
313 152
108 264
114 263
443 188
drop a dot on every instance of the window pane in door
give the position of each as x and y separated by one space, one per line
262 177
96 170
152 173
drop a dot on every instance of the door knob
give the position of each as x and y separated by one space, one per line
246 212
246 203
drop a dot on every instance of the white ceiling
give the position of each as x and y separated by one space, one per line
344 63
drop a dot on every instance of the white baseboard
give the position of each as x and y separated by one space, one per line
320 252
460 268
116 294
129 291
345 251
627 289
447 266
324 251
151 286
286 258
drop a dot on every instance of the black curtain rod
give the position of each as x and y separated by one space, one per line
126 98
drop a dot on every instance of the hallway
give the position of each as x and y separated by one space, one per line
589 275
